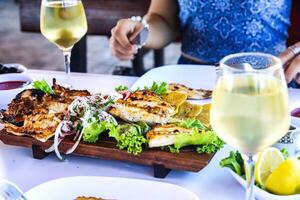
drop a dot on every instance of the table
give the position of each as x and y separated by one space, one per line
210 183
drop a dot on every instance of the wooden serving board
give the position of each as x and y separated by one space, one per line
162 161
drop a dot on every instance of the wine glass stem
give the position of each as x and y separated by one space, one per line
67 55
250 178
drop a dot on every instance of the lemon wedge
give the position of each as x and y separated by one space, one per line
268 161
285 179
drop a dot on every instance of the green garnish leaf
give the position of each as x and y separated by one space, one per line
159 89
121 88
235 162
285 153
205 141
129 136
192 123
43 86
92 131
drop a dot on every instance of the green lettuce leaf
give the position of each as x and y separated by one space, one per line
235 162
43 86
191 123
92 131
130 136
205 141
159 89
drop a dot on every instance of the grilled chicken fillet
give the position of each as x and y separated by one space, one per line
144 106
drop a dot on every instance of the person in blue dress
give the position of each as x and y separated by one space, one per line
212 29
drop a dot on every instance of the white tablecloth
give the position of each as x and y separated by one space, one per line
210 183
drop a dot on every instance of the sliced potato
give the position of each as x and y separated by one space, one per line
175 98
188 110
204 114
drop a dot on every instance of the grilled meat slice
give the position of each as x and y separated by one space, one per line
190 92
144 106
67 94
36 113
33 101
40 127
164 135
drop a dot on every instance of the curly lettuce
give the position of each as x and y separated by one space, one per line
130 136
192 123
92 131
204 141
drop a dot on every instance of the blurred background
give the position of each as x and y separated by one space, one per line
31 49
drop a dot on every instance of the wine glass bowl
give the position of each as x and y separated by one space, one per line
250 104
63 22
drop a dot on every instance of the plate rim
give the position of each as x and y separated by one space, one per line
116 178
133 86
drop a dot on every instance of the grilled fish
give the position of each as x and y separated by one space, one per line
144 106
164 135
190 92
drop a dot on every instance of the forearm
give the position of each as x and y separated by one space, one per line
160 32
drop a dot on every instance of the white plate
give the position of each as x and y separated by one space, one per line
195 76
108 188
261 194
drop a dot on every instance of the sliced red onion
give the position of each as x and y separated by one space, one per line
71 150
56 142
125 94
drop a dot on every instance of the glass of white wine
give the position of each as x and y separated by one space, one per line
63 22
250 105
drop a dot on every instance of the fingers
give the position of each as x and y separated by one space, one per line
293 69
287 55
120 43
137 29
119 51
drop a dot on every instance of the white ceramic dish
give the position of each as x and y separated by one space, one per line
108 188
21 68
8 95
261 194
195 76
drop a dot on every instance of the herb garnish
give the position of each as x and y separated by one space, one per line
159 89
43 86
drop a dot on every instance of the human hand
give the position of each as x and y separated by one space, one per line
122 37
291 61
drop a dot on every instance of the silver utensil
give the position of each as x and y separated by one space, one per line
9 191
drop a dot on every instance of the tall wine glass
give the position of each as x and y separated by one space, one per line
250 105
63 22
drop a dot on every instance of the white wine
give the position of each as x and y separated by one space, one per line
250 112
63 22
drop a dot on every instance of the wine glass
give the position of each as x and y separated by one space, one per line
250 105
63 22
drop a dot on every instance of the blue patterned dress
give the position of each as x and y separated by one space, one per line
212 29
